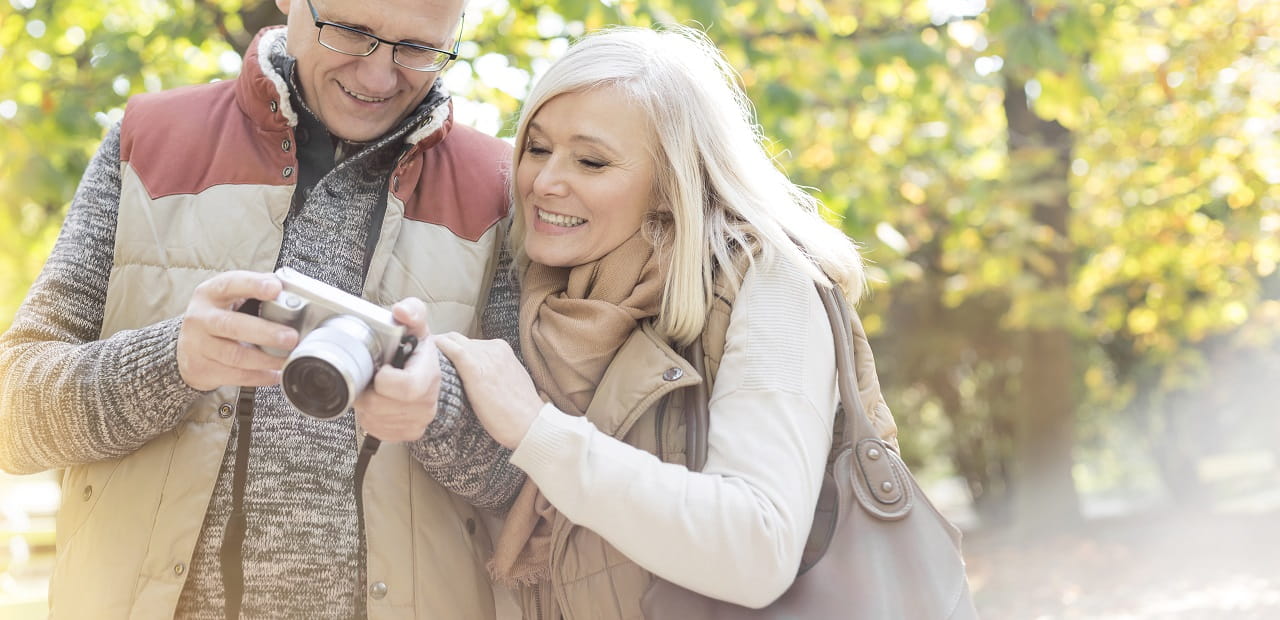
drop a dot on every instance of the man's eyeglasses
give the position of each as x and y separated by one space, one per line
347 40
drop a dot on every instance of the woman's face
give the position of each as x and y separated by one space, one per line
585 177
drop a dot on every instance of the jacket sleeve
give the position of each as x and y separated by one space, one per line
736 530
456 449
67 397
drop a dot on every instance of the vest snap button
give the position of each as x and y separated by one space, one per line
288 171
179 569
286 145
88 492
378 590
224 410
274 106
672 374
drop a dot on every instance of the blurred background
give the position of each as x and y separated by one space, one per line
1071 211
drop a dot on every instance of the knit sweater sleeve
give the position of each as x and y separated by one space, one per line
456 449
66 397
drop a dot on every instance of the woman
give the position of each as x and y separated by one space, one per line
647 217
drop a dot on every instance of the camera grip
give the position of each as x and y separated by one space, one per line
407 344
250 306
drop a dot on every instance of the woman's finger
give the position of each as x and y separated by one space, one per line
453 345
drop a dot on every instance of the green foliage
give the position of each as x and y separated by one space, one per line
897 116
66 71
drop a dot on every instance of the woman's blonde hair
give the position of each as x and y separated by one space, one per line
717 192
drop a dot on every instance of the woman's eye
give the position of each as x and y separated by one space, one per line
534 149
593 164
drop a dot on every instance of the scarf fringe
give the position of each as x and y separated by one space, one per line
511 581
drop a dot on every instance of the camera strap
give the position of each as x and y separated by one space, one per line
367 449
231 554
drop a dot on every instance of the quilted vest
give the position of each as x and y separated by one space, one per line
127 527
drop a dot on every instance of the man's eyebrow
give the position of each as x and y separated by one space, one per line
368 30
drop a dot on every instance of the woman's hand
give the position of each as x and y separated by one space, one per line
498 386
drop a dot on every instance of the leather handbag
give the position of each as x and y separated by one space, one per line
877 549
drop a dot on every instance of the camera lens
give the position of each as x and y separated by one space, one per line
316 387
330 367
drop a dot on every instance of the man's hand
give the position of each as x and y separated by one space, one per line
218 345
400 402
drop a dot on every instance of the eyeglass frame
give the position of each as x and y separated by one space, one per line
451 55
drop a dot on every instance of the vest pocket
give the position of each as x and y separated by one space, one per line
82 487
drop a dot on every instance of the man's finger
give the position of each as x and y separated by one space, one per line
226 288
412 313
370 400
242 327
230 375
236 355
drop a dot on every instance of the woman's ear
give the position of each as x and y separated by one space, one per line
657 223
283 5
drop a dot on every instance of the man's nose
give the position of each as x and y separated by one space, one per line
378 71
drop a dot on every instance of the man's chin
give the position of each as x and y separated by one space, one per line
358 132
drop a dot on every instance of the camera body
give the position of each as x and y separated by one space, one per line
342 341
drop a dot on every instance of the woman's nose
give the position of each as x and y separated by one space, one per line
549 181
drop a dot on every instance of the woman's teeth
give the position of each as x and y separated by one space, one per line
568 221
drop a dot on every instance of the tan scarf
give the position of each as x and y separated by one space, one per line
572 323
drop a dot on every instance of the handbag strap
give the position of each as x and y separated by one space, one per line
857 425
880 482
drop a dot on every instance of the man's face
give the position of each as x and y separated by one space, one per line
360 98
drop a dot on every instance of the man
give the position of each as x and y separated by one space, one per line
191 487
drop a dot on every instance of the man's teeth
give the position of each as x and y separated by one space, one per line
364 98
567 221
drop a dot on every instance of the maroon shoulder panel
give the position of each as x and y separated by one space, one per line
186 140
460 183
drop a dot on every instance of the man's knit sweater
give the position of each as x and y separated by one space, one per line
301 554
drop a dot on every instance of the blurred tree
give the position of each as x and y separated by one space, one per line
68 69
1070 206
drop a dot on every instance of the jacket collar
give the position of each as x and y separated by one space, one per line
644 370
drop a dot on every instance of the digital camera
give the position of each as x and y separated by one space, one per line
342 341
